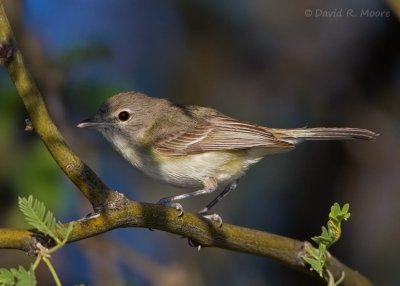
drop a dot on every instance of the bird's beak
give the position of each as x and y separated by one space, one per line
91 123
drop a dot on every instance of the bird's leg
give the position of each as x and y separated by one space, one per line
210 185
224 192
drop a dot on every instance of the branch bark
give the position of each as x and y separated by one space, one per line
199 230
113 210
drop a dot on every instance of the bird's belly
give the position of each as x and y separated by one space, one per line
191 170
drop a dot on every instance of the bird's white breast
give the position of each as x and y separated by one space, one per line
187 171
190 171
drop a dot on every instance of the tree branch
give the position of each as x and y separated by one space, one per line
199 230
113 210
78 172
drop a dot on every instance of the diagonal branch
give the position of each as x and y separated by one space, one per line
115 211
78 172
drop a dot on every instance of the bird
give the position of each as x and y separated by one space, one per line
196 148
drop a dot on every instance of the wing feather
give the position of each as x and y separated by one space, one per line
218 133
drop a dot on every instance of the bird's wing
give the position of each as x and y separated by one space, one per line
218 133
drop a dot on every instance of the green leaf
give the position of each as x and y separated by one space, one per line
17 277
24 277
346 208
37 216
63 231
6 277
324 238
337 214
316 258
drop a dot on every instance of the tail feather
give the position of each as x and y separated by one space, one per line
322 133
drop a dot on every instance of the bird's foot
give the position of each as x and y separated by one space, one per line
169 203
213 217
195 244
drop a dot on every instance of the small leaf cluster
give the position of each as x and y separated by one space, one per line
44 221
332 232
18 276
316 257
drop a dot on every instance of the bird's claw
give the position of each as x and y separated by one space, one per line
174 205
213 217
194 244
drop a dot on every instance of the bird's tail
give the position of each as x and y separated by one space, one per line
321 133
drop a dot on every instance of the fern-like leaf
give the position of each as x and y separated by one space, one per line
37 216
6 277
63 231
24 277
17 277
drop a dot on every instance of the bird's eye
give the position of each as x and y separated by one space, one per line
123 115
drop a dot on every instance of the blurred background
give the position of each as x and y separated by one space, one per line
281 64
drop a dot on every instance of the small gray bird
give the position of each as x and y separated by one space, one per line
195 147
